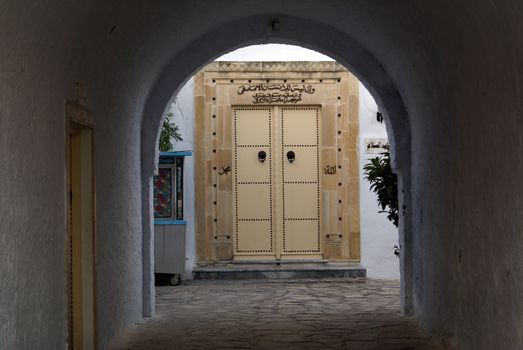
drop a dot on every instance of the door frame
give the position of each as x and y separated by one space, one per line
79 123
221 85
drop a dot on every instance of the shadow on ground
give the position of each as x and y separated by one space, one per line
278 314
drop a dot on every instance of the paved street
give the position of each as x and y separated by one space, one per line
278 314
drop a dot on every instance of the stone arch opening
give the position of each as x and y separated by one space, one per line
457 66
275 29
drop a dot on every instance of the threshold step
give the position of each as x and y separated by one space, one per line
287 270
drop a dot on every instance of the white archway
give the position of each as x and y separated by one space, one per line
277 29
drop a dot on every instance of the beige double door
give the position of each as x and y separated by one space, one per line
276 183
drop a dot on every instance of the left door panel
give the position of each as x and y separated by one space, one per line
253 181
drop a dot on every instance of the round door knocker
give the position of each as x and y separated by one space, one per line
262 156
291 156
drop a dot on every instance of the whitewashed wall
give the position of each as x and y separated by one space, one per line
378 234
182 108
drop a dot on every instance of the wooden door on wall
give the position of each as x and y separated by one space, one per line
276 200
81 239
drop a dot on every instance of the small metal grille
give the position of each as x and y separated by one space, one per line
223 252
333 250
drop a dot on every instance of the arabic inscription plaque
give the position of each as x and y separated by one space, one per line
276 93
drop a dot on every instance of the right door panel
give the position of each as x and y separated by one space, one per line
300 181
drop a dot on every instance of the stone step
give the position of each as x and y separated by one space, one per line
275 270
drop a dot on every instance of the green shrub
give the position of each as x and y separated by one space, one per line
385 184
169 133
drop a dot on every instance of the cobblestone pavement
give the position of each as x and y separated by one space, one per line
278 314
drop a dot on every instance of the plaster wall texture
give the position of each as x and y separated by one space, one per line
447 73
32 176
378 234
